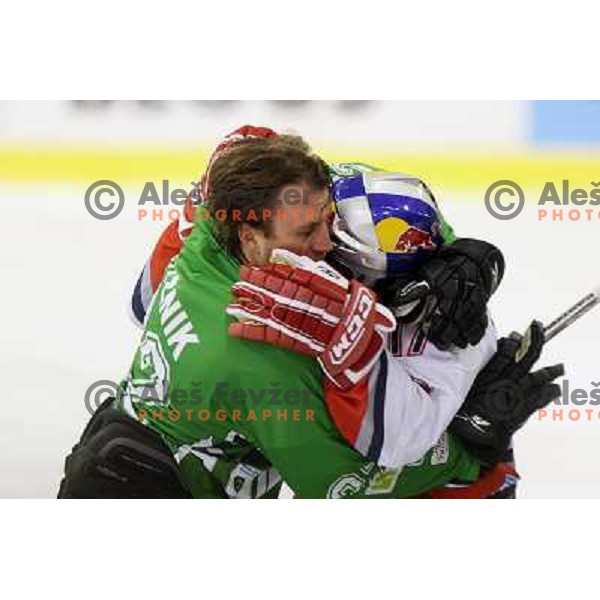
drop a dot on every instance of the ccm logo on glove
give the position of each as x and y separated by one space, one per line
355 328
306 306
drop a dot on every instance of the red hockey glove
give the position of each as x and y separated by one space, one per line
307 306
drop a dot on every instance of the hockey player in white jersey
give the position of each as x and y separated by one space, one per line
389 234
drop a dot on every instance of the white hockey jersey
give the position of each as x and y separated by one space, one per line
402 409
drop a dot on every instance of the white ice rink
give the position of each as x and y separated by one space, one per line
67 283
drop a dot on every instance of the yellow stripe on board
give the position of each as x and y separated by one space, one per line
456 171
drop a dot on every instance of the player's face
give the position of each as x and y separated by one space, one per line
302 226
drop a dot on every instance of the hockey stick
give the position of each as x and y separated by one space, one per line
572 314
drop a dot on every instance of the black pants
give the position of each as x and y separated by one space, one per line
117 457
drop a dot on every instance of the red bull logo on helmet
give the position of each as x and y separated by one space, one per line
397 236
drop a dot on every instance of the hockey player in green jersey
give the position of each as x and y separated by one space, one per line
238 415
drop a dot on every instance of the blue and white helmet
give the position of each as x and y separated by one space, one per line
386 224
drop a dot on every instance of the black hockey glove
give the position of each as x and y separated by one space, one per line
505 394
449 293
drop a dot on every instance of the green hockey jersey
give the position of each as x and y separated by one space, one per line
240 416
